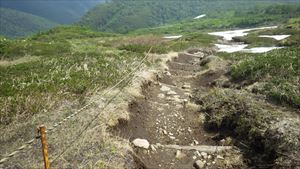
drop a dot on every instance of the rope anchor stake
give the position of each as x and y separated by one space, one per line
42 136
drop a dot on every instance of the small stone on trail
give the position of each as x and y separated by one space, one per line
152 147
222 141
161 95
158 145
220 157
142 143
172 137
196 142
176 96
165 132
197 152
204 155
179 155
194 157
171 93
177 100
165 88
186 86
188 95
167 73
199 164
160 109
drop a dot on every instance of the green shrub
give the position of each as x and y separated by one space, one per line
66 69
69 32
139 48
280 70
12 49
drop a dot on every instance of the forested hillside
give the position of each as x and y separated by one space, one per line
126 15
15 23
263 16
62 11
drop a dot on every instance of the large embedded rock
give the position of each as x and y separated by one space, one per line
141 143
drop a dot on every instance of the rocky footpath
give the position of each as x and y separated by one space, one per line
166 128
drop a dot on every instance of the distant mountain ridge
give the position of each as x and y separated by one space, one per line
22 17
60 11
16 24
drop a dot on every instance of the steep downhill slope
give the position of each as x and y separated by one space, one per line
62 11
15 23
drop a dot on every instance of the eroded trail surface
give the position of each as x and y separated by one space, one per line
167 117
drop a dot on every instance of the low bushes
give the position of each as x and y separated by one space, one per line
280 70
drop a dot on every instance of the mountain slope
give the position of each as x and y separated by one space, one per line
63 11
126 15
15 23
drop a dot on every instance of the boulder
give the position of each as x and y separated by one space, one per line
199 164
141 143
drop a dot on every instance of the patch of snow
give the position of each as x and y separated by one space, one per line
260 49
200 16
276 37
241 48
173 37
228 35
230 48
234 47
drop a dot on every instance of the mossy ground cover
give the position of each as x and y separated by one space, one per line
279 69
71 63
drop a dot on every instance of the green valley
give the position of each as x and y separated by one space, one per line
15 23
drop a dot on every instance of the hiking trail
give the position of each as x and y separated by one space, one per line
169 120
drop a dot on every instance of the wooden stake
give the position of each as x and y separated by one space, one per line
42 131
